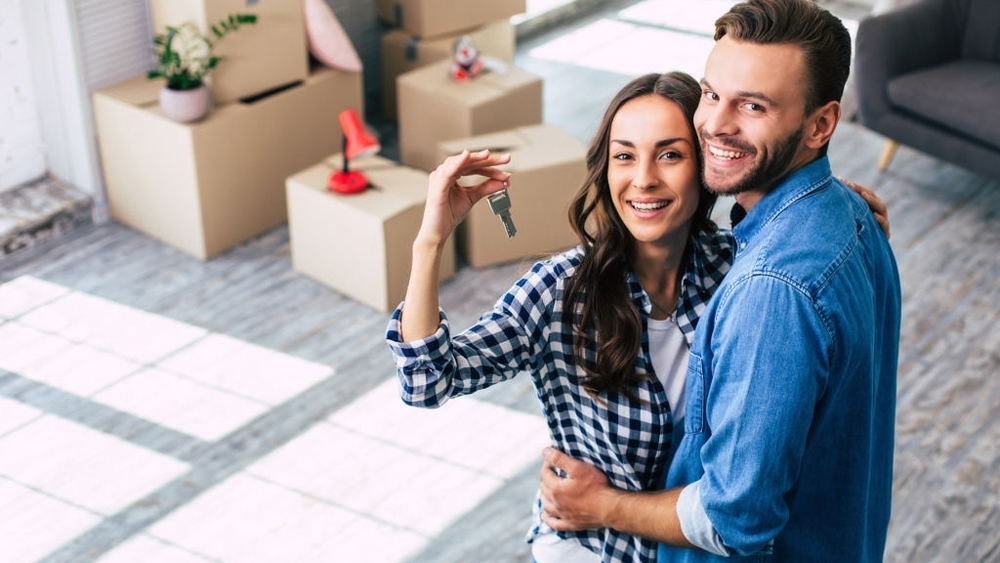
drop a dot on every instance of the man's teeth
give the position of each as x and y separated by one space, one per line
649 206
721 153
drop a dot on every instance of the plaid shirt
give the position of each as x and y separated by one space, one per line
627 440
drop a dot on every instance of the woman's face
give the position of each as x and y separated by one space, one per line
653 170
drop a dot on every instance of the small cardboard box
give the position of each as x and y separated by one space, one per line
403 52
360 244
256 58
207 186
547 168
430 18
435 108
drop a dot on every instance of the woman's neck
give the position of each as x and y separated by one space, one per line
659 270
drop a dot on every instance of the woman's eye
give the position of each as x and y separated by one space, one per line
622 156
671 155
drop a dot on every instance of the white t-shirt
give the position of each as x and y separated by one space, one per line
668 350
550 548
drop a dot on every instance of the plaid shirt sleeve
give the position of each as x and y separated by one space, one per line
505 341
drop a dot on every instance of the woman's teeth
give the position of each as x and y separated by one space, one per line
650 206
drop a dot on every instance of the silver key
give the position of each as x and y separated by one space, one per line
500 205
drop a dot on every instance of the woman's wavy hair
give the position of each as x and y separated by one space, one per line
609 331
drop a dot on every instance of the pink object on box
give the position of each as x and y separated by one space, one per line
327 40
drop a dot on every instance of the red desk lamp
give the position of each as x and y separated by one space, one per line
358 142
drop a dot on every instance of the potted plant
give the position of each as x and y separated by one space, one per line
184 58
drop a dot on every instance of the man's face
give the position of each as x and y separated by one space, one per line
751 116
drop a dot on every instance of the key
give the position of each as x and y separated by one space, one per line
500 205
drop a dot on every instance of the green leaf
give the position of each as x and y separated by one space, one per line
173 58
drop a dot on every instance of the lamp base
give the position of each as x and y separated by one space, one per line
350 182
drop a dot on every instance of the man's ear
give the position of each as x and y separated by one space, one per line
821 125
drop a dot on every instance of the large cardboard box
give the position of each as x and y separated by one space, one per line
271 53
435 108
207 186
360 244
547 168
430 18
403 52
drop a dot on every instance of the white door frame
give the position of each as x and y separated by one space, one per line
63 97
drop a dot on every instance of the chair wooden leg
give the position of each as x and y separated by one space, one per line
887 154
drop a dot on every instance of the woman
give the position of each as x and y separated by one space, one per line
583 322
603 328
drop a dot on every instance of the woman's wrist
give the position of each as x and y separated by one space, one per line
427 246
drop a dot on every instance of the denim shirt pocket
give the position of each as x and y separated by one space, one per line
694 419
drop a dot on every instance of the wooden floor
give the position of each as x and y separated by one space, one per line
945 233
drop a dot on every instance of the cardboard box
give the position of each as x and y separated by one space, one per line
430 18
547 168
360 244
271 53
207 186
435 108
403 52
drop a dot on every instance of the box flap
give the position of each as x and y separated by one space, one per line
530 147
550 145
434 78
503 142
137 91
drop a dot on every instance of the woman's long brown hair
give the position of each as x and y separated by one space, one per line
609 333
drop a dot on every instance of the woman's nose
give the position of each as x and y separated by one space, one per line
645 176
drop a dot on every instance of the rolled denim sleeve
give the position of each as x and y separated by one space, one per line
695 525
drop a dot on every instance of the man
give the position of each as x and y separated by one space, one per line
787 453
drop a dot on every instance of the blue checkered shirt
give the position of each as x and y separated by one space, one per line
629 440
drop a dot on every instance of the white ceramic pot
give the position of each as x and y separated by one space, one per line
186 106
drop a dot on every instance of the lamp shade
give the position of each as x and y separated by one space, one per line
357 140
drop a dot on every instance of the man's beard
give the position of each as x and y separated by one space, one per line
765 173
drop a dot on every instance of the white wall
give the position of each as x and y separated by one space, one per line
22 150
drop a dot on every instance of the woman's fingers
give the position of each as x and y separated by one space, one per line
482 163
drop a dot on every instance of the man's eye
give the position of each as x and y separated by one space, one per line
711 96
754 107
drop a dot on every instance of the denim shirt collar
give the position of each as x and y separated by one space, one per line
796 185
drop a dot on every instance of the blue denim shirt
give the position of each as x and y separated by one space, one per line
791 391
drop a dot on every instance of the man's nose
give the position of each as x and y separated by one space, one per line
718 121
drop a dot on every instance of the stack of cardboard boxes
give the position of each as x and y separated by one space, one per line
360 244
502 111
406 49
207 186
430 106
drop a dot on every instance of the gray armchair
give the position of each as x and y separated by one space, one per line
928 76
